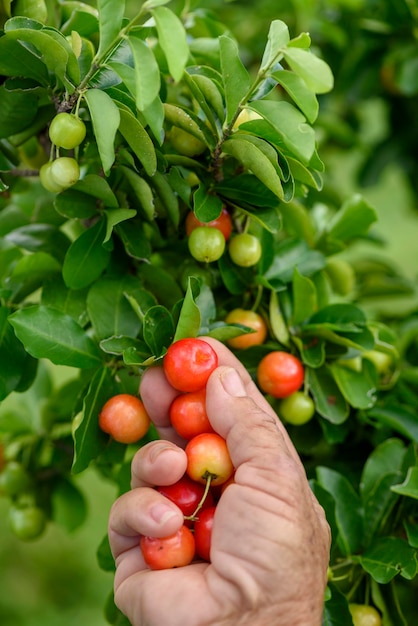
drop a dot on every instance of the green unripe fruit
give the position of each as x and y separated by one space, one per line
14 479
341 276
245 250
67 131
46 179
297 409
364 615
33 9
185 143
27 523
65 171
206 244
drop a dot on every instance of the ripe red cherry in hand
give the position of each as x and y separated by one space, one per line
203 532
188 414
176 550
188 364
187 494
208 459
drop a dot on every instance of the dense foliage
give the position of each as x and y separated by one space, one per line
171 112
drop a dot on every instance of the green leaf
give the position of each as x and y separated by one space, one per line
189 321
235 77
109 310
300 93
158 329
329 401
409 487
357 387
172 39
288 128
304 297
69 507
167 196
105 117
254 160
142 191
96 187
402 419
89 441
348 509
277 321
138 139
387 557
385 459
336 612
114 217
160 282
206 205
147 73
277 40
75 204
353 219
291 254
315 72
72 302
17 60
47 333
379 505
18 110
12 353
53 52
86 258
110 23
246 189
134 239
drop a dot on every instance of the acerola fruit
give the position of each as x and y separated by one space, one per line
245 250
124 418
187 494
297 409
206 245
252 320
188 364
203 532
222 223
207 455
364 615
176 550
67 131
14 479
27 523
280 374
188 414
65 171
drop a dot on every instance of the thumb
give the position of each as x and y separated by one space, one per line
252 434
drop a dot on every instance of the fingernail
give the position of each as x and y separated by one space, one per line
161 513
232 383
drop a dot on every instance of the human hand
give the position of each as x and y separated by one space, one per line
270 540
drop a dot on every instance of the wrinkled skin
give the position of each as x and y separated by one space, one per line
270 542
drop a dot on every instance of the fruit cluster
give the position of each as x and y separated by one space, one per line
66 131
27 519
207 241
188 364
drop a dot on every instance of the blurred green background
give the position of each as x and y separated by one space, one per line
56 579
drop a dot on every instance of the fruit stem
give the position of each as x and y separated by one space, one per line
209 477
